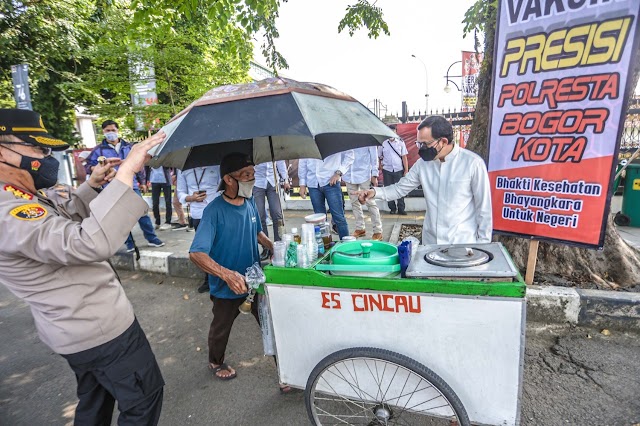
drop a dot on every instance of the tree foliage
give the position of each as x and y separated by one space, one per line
47 35
367 15
80 52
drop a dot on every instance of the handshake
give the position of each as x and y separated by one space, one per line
364 195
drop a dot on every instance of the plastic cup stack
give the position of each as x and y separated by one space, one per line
309 241
302 256
287 238
279 250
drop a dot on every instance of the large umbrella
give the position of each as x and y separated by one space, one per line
272 119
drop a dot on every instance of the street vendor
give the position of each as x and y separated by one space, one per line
225 245
455 185
55 258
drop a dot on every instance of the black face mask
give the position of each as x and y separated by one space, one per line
44 171
429 154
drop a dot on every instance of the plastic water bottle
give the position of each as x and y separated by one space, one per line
319 241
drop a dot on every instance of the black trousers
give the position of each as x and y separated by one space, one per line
225 312
155 198
389 179
123 370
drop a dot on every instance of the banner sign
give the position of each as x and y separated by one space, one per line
20 77
471 62
143 91
562 77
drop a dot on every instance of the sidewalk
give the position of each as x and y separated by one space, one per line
547 304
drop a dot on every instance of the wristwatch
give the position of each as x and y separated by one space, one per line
338 172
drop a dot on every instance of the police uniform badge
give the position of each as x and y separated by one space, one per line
18 193
29 212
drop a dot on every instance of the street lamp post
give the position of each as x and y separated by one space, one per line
426 84
447 88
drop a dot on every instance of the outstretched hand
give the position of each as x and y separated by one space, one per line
137 158
364 196
104 172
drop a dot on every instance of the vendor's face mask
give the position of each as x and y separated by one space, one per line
245 189
429 153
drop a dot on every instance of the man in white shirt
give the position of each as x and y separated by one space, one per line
393 155
322 177
198 187
265 186
362 175
455 184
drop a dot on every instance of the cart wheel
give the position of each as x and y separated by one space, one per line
373 387
621 219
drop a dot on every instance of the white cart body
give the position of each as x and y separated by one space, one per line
474 343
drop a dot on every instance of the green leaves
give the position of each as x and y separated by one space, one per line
367 15
80 51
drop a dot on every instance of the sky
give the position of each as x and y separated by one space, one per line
382 68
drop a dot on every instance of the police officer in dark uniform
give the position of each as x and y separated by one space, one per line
55 258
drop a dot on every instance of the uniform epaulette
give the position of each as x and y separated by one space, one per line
18 193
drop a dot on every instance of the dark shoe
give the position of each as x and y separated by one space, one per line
204 287
266 255
402 213
334 229
393 212
155 243
176 226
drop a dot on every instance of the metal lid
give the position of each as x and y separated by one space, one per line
457 257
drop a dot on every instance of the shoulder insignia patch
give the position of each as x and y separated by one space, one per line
29 212
18 193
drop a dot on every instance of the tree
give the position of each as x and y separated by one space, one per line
255 16
47 35
617 264
188 56
79 53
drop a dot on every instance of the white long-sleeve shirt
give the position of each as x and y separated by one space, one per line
198 179
457 194
264 173
391 161
364 167
315 173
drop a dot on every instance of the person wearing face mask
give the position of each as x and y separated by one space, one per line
54 256
113 146
225 245
455 185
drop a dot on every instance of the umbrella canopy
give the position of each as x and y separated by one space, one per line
272 119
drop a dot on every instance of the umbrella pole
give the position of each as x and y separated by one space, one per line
275 180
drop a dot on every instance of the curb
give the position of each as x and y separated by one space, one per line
548 304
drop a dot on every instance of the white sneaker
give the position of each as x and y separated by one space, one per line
164 227
269 221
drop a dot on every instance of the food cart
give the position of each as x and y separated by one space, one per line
444 345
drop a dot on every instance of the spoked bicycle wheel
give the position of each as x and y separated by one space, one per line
373 387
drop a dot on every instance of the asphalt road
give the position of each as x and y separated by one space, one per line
572 376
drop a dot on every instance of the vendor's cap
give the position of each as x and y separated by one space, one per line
28 126
232 163
84 154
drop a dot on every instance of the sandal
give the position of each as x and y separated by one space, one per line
222 367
